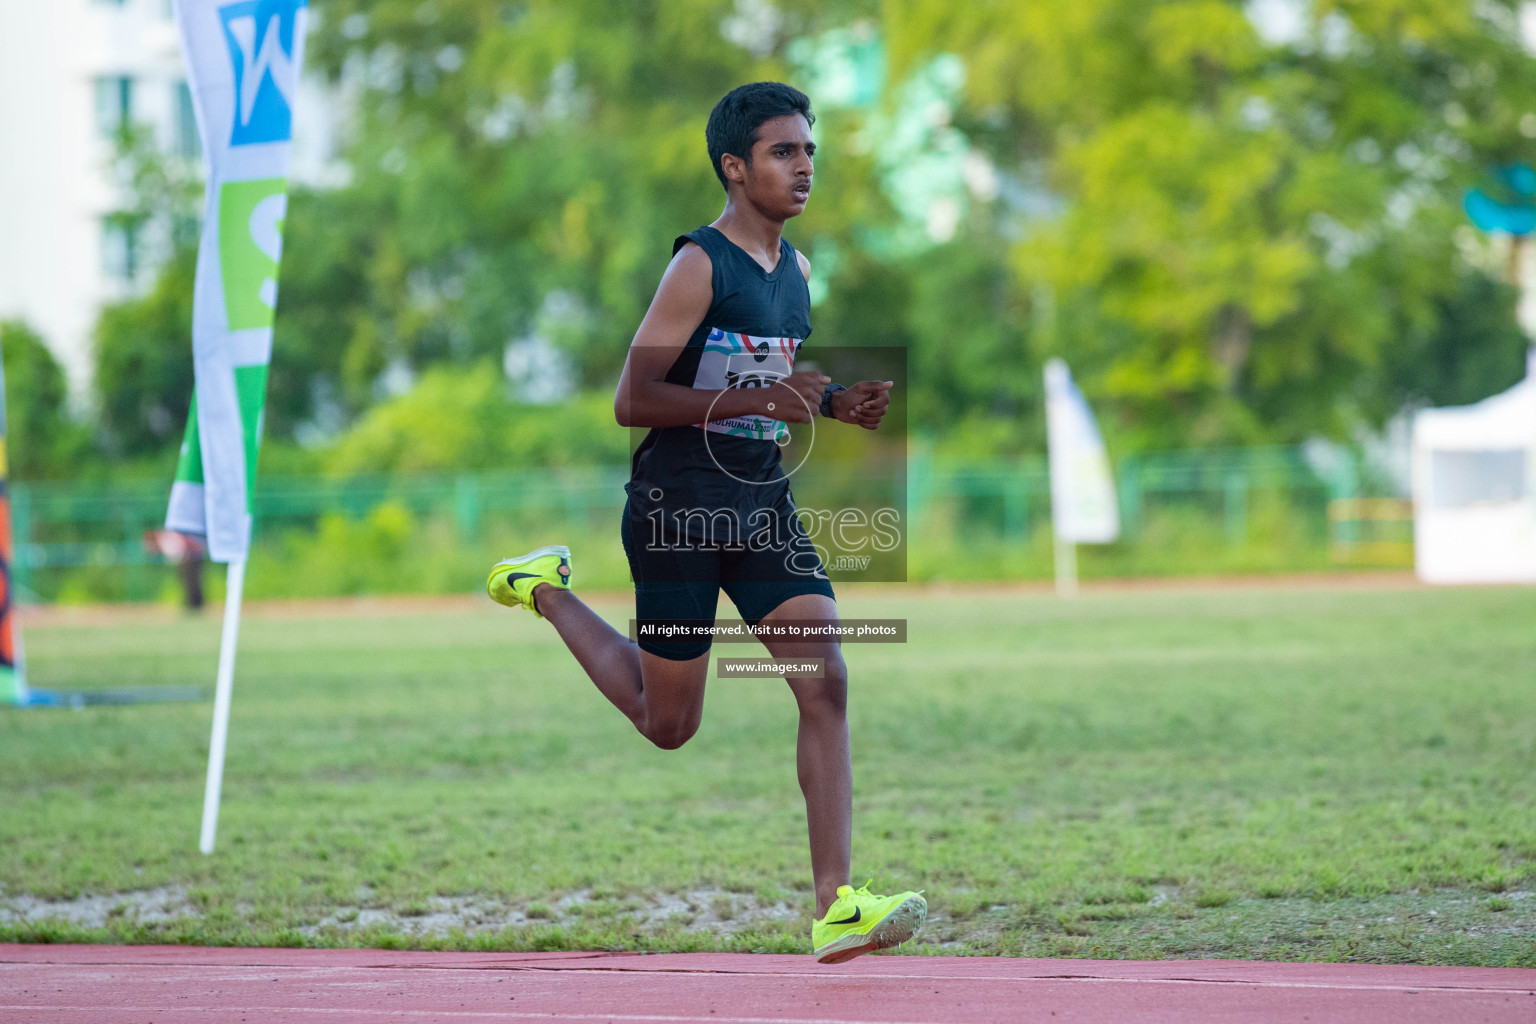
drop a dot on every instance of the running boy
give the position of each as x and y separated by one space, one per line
711 373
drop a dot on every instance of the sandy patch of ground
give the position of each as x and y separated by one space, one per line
713 910
149 906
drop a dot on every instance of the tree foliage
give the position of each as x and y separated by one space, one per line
143 375
1274 221
461 419
41 438
1235 230
504 153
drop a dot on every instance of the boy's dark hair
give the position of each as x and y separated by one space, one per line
734 122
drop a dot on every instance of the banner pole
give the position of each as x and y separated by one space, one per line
1066 567
226 683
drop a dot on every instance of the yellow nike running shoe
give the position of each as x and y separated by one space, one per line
512 580
858 923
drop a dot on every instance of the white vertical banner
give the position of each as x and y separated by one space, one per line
1083 508
242 60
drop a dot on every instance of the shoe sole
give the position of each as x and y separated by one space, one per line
551 549
515 560
893 929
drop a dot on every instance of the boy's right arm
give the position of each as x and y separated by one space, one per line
646 399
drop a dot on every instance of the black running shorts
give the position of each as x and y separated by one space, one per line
682 581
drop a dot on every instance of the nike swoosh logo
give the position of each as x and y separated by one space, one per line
519 576
850 920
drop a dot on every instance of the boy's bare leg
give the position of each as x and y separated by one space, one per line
823 757
663 698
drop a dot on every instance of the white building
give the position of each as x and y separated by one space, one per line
72 73
1474 484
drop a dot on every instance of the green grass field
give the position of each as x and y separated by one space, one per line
1266 773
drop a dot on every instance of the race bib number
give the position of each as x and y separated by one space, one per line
734 361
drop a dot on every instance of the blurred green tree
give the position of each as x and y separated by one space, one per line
1274 220
42 440
461 418
503 153
143 377
143 343
1237 227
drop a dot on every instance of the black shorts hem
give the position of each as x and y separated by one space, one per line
675 652
766 601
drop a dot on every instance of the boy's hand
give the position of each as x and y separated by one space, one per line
796 398
864 403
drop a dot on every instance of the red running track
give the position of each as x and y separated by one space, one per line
195 985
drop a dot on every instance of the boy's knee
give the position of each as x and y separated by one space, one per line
829 694
671 735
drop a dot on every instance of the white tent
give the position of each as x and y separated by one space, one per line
1474 489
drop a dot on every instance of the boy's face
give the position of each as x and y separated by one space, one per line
778 180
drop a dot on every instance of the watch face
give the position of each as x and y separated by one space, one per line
826 398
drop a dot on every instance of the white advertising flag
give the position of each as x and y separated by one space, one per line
242 63
1083 509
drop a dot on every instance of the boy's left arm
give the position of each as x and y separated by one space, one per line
863 403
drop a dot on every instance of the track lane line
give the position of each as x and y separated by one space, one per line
1341 987
317 970
471 1014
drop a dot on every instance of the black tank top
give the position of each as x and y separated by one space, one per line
756 323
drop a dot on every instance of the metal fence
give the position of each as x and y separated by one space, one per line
63 526
1224 481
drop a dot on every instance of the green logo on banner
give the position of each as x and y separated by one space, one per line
250 244
251 391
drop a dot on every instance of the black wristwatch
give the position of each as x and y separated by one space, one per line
826 399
